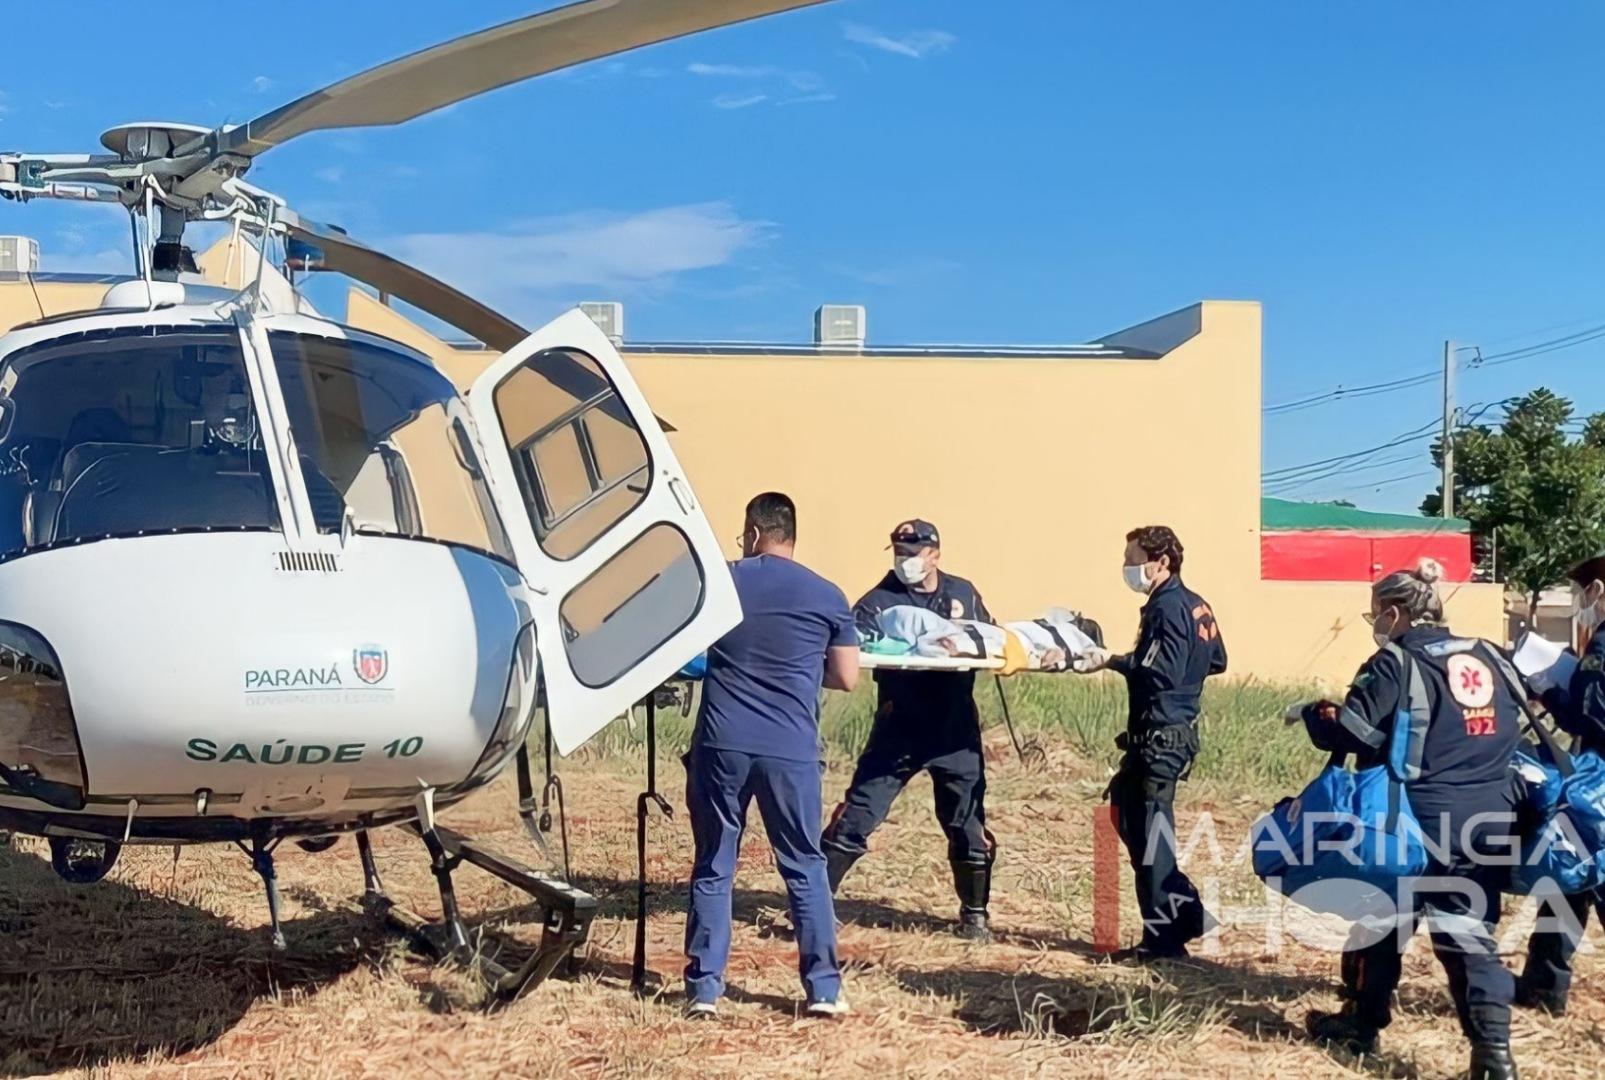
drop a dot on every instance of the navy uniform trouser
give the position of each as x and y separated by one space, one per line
1550 951
720 785
889 762
1143 795
1462 918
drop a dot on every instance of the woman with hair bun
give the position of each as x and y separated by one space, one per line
1463 720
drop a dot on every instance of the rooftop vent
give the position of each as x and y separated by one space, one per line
839 326
607 314
19 255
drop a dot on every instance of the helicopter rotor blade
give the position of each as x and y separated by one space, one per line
358 261
476 63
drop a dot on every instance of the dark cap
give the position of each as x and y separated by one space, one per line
917 531
1592 569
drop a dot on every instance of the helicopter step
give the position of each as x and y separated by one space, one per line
566 914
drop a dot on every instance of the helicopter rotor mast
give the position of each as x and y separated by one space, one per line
177 173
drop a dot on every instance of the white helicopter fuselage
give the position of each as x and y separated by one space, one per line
280 662
219 678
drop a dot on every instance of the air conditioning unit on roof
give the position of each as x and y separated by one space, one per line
19 255
607 314
839 326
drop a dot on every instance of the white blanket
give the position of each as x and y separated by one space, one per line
929 634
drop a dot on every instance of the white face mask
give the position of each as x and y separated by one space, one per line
1381 636
1137 579
910 571
1588 614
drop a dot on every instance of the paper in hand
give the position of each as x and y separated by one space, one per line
1543 663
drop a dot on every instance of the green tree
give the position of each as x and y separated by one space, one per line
1533 487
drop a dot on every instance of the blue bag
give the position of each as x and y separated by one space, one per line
1345 844
695 668
1566 792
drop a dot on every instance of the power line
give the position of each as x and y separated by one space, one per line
1340 469
1294 476
1378 485
1509 356
1413 434
1342 392
1582 337
1537 330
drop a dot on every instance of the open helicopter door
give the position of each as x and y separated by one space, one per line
603 522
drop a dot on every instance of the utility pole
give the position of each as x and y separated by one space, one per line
1448 429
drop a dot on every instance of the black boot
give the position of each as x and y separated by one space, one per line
838 860
1343 1030
1528 996
973 883
1492 1061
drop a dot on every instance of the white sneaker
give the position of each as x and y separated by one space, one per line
701 1010
830 1009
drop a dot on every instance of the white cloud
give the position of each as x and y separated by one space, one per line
261 84
915 44
807 99
803 81
331 175
739 101
533 263
732 71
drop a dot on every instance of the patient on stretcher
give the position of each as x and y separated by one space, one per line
1057 637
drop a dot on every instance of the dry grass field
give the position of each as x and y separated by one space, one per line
164 969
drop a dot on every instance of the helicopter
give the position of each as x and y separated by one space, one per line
264 576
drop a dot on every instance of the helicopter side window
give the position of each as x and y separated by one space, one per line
384 440
580 459
129 431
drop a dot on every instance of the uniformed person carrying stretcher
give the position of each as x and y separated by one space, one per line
924 720
1178 646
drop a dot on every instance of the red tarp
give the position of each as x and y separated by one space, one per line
1320 555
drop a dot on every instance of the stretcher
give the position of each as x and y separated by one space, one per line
911 662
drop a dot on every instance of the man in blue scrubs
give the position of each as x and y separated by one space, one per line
757 737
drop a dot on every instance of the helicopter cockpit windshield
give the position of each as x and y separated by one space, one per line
384 443
119 432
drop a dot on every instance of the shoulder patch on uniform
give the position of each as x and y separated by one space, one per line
1592 662
956 609
1148 658
1364 679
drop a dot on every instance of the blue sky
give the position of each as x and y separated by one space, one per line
1380 175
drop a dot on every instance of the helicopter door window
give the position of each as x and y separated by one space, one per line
384 438
580 459
636 601
130 431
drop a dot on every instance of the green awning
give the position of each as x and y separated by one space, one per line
1285 515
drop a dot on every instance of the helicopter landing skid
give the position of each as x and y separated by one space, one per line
565 922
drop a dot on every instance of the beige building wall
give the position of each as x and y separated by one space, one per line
1033 468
